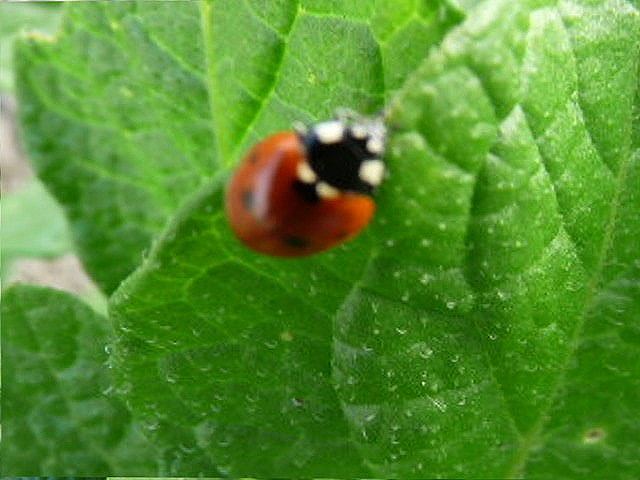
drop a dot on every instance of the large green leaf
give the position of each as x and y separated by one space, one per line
471 330
58 417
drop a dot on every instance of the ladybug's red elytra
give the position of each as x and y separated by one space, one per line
304 191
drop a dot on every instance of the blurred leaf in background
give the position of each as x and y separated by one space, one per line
59 414
33 223
33 226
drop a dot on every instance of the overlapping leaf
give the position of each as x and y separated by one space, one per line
58 415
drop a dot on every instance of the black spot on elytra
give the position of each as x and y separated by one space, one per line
253 157
295 241
306 191
247 199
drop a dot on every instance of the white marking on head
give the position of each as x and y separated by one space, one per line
359 131
375 145
331 131
305 174
324 190
372 172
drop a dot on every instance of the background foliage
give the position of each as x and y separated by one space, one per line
486 323
33 225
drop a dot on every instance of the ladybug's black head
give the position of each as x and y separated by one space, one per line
343 155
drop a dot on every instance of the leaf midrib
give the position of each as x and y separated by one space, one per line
232 151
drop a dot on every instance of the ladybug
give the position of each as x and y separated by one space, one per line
304 191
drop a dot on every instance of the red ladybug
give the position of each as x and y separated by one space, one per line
301 192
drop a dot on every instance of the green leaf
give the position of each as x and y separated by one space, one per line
33 225
57 416
115 117
483 326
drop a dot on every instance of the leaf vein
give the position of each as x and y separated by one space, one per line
277 70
